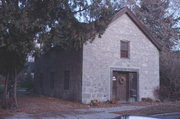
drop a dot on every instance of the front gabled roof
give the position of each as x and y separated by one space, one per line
138 24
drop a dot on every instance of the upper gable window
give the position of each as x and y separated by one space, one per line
124 49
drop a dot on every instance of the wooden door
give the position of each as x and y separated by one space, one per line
120 86
133 85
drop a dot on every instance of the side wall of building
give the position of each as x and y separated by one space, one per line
50 74
103 55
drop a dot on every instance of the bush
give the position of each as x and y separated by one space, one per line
169 75
169 92
94 102
113 101
157 100
147 99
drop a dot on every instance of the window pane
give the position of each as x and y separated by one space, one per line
124 53
41 80
124 49
124 45
66 80
52 80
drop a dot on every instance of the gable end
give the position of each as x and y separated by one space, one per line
138 24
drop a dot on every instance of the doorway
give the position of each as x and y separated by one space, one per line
124 86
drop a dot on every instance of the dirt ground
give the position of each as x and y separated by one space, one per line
166 107
33 104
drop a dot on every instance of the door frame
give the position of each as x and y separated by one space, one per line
130 70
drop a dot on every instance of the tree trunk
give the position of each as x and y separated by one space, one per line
9 99
15 87
5 91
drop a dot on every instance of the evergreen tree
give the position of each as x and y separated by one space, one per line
26 22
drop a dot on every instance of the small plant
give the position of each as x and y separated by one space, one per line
157 100
95 102
113 101
146 99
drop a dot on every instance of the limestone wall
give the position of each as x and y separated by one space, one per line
104 53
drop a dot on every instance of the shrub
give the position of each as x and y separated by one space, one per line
94 102
157 100
113 101
169 92
146 99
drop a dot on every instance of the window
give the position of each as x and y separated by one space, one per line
66 80
51 80
41 80
124 49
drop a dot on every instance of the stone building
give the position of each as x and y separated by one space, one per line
123 64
